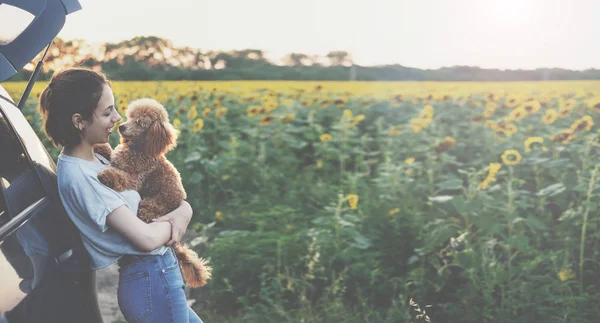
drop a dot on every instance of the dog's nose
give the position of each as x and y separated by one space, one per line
122 127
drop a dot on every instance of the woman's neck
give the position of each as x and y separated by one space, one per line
82 150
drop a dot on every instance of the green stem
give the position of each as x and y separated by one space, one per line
591 187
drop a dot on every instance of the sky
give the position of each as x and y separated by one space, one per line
504 34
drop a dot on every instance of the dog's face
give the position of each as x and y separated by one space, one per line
148 128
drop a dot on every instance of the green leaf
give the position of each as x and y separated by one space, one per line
361 242
535 224
196 177
519 242
453 184
192 157
552 190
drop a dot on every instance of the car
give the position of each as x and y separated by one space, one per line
44 268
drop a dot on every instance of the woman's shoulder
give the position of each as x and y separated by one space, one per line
72 171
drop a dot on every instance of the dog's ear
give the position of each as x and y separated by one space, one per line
160 138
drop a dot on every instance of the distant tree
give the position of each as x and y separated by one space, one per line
339 58
297 60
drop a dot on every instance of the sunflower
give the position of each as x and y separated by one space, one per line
340 102
511 157
594 103
491 176
584 124
511 102
176 123
219 215
566 274
534 140
357 119
509 129
269 106
319 163
427 112
205 112
193 113
288 118
445 144
348 114
198 125
564 136
517 114
409 160
566 104
221 112
395 130
549 117
325 137
490 108
352 200
393 211
531 106
254 110
266 120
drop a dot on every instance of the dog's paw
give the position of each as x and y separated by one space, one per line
147 211
107 178
113 180
103 149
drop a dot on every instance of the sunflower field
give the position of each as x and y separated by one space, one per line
387 201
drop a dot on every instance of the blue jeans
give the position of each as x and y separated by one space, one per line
151 289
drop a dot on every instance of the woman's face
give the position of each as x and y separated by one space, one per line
104 117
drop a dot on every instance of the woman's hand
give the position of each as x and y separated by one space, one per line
179 219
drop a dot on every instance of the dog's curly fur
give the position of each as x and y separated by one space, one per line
139 163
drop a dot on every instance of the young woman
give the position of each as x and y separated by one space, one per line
78 112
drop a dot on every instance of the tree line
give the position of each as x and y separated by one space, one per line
154 58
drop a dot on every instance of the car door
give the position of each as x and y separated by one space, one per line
44 269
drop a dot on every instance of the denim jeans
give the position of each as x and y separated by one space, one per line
151 289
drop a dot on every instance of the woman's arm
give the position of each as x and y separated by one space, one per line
148 236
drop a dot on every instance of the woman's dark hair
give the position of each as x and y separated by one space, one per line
74 90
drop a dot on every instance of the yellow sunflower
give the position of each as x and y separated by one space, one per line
193 113
395 130
564 136
357 119
534 140
393 211
511 157
288 118
221 112
531 107
594 103
445 144
352 200
198 125
266 120
517 114
176 123
491 176
254 110
325 137
584 124
549 117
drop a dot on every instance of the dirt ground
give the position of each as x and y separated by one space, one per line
106 279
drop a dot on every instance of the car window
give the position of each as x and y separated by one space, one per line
13 22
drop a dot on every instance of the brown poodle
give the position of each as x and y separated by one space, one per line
139 163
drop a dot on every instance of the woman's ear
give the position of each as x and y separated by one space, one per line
77 121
